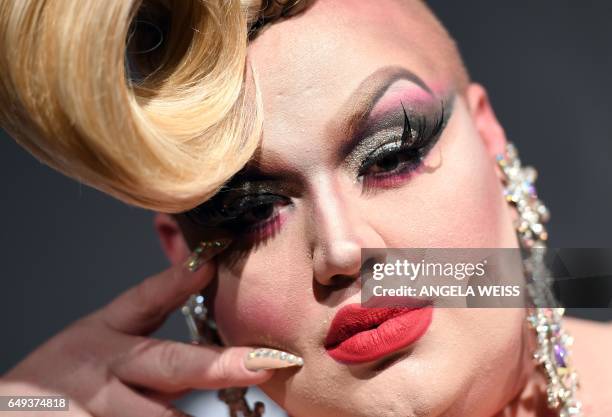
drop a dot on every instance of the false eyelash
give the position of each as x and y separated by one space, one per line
211 210
216 214
422 138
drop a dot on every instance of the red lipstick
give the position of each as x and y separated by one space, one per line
358 334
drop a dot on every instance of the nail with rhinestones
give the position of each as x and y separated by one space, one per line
264 358
205 251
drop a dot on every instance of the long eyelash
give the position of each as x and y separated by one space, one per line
422 136
407 133
211 213
440 122
214 215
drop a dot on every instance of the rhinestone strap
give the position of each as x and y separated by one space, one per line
552 353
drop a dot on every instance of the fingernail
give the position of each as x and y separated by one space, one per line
205 251
264 358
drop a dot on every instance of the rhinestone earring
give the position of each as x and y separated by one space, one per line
201 327
203 330
545 317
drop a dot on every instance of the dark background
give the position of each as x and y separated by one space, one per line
67 249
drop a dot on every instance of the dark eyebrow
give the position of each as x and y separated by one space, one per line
361 102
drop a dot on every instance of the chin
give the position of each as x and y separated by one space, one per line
448 372
408 387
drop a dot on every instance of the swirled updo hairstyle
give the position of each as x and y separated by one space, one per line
151 102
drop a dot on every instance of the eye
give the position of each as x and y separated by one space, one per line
393 162
388 159
251 211
255 216
257 213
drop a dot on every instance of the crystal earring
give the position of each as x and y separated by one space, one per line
203 330
545 317
201 327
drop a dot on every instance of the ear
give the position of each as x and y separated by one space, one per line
485 120
171 238
488 127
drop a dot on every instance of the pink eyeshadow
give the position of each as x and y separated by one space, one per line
405 92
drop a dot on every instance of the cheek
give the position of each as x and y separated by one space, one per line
505 361
237 310
258 300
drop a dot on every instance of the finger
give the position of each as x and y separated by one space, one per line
117 400
143 308
170 366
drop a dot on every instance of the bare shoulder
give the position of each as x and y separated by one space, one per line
592 358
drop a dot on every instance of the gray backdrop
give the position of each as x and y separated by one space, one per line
67 249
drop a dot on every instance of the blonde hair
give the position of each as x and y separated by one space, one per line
162 130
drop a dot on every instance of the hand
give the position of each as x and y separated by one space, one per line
107 366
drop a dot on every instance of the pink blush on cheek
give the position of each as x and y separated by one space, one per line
246 319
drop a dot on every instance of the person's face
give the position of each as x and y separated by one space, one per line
326 184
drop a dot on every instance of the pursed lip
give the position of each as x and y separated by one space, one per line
358 334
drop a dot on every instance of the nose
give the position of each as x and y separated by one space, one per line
341 230
337 261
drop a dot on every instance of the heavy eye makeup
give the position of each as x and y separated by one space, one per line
252 209
384 153
394 146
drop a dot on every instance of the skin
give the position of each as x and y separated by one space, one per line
456 203
283 290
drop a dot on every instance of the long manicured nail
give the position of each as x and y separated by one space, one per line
264 358
205 251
